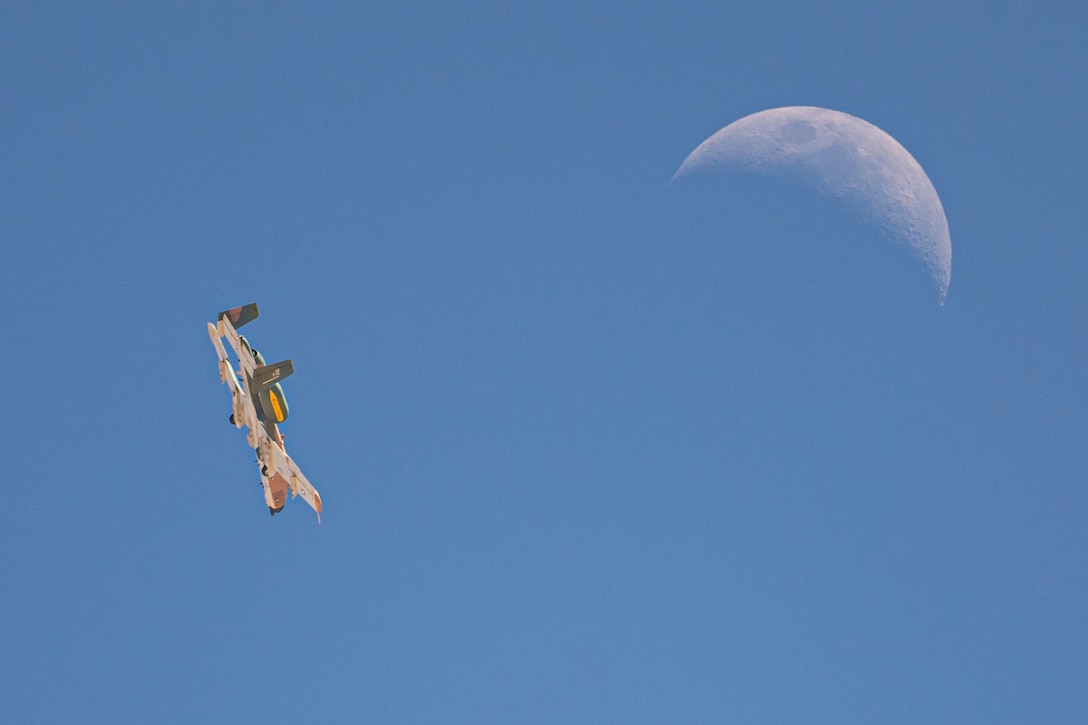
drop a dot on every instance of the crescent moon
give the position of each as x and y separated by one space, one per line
845 157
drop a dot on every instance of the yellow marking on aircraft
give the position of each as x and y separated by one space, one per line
276 406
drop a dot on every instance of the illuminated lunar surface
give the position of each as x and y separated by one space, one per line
845 157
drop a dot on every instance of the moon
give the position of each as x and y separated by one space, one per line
845 157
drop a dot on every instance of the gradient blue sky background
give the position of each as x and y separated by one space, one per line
593 448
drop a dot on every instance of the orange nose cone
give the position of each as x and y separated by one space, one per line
317 500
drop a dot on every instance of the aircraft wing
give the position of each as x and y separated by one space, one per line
225 328
278 462
226 370
242 406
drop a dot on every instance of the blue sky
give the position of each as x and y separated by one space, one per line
593 448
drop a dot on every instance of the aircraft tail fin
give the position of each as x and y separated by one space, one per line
240 315
266 376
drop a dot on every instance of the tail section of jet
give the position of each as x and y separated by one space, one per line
266 376
239 316
265 386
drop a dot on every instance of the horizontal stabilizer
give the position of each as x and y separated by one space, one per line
240 315
266 376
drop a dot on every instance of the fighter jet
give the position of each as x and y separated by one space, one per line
259 404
